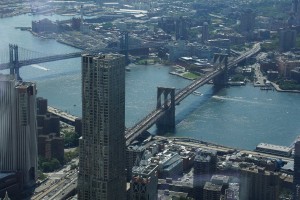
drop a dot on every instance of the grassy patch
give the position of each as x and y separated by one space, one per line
190 75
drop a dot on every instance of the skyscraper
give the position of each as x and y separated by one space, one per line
287 39
18 129
205 33
144 182
102 145
247 21
296 176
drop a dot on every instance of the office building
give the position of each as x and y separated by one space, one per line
258 183
18 132
50 146
102 145
296 180
247 21
295 13
204 167
233 192
41 105
47 124
133 157
212 191
205 33
144 182
287 39
181 31
171 166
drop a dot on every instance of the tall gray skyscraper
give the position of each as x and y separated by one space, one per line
296 177
247 21
18 129
102 145
287 39
205 33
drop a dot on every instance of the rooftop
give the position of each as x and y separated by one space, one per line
144 170
212 187
6 77
219 179
6 174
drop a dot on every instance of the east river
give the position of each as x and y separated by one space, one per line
240 117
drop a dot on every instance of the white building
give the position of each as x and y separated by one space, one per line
18 129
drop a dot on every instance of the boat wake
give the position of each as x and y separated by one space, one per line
40 67
234 99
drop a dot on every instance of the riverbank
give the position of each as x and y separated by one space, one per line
277 88
182 72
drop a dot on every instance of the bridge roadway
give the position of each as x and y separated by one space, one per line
63 116
73 55
151 118
42 60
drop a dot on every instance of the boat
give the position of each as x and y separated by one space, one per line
266 88
127 69
236 83
197 93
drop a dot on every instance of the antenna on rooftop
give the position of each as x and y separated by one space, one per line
81 13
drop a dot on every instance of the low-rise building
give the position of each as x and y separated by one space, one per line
212 191
274 149
50 146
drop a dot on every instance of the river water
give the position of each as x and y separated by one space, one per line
240 117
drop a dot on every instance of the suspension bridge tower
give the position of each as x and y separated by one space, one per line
221 60
124 45
14 60
167 122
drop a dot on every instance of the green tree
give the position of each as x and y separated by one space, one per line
71 155
71 139
49 165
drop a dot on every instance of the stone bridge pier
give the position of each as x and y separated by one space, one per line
167 122
14 60
221 60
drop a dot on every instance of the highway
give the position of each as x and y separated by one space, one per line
58 185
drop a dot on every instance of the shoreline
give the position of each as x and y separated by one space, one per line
178 72
280 90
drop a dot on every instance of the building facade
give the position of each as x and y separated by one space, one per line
247 21
144 182
102 145
296 177
287 39
258 183
18 128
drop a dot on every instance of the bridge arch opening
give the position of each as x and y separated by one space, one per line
166 102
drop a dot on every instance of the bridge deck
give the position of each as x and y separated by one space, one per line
62 115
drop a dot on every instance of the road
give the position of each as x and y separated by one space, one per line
58 183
